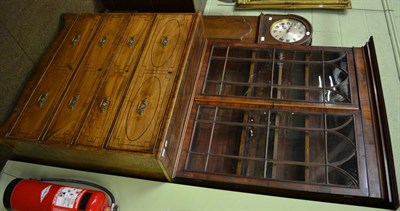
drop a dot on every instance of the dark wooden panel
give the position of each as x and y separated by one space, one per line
238 28
155 5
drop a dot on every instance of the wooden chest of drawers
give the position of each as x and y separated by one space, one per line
111 94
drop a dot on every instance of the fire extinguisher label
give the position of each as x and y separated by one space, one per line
44 193
67 197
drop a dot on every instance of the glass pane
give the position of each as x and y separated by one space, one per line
298 81
310 95
215 70
288 145
316 148
196 162
289 74
237 71
337 82
341 138
229 89
340 148
314 75
338 57
219 51
350 167
230 115
226 139
253 143
338 176
251 53
260 80
338 121
288 172
260 92
212 88
206 113
262 73
222 165
316 174
243 53
263 53
300 120
252 168
214 76
201 138
298 55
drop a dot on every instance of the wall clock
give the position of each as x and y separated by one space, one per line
284 29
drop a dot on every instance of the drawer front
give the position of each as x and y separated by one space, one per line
167 42
79 97
142 113
141 117
77 41
98 123
33 118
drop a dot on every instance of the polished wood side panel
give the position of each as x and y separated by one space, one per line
79 98
237 28
386 187
88 159
119 73
155 5
181 99
142 115
57 73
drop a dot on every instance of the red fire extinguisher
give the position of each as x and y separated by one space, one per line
33 194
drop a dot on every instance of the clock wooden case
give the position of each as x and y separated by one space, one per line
284 29
111 94
257 29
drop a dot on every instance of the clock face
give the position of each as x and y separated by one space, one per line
288 30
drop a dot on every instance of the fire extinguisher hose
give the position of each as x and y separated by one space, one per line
114 207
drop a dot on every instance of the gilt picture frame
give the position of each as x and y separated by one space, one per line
293 4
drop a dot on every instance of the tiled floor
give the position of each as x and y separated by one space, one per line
27 27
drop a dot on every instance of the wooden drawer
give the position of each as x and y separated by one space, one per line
142 114
56 74
119 74
165 47
79 97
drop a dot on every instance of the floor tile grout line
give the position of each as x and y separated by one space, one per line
16 41
393 34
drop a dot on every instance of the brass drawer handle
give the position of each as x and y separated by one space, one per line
104 104
103 41
142 106
42 99
76 39
131 41
164 41
72 103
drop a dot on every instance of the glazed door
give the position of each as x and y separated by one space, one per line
277 118
84 87
51 86
101 116
141 118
